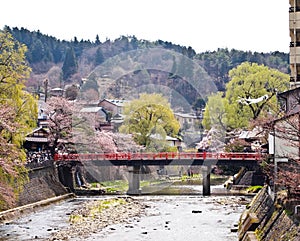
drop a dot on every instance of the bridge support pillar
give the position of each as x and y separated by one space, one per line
206 180
134 180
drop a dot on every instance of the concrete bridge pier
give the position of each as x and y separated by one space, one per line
66 175
206 180
134 180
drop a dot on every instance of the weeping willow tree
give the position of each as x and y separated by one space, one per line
250 94
150 119
251 91
18 113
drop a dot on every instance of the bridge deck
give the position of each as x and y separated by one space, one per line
163 158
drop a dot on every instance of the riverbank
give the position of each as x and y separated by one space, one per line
14 213
265 220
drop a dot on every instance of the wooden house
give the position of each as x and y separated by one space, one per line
37 140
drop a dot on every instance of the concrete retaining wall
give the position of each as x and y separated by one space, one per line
264 221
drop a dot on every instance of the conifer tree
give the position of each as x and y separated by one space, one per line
70 65
97 42
99 58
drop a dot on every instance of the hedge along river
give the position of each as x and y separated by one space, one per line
166 217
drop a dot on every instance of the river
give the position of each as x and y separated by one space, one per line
168 217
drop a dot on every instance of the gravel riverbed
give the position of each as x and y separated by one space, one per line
98 214
151 218
121 218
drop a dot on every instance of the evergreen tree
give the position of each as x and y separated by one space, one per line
174 68
191 52
99 58
134 42
97 42
37 51
70 65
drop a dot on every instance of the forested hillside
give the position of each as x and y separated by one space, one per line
218 63
67 62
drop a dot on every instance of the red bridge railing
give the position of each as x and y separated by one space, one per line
158 156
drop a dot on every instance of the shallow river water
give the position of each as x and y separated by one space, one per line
168 217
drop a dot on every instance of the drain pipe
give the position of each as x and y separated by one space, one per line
297 207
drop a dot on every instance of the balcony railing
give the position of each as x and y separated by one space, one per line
292 9
292 78
294 44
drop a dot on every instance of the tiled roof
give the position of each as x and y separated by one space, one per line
36 139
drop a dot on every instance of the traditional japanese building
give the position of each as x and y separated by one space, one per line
113 106
37 140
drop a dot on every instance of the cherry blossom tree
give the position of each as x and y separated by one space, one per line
125 143
285 170
71 129
59 111
104 141
107 141
12 159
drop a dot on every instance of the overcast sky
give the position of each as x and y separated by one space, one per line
256 25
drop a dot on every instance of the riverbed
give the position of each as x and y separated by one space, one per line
167 217
180 218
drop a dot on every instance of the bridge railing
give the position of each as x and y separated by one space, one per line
158 156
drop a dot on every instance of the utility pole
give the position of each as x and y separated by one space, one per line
46 89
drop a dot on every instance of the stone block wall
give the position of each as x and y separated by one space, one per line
43 184
264 221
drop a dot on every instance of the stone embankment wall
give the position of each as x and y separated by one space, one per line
42 189
43 184
265 220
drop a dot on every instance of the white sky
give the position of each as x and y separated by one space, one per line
256 25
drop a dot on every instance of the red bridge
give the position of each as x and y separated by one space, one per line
134 161
163 158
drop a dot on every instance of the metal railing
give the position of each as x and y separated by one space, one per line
158 156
